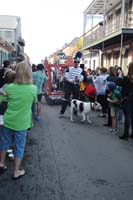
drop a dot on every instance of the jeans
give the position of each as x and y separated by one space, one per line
34 109
9 136
120 115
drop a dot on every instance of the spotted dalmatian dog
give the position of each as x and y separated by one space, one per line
82 108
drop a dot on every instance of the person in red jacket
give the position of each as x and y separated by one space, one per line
90 90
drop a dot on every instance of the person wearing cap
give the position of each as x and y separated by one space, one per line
73 77
110 79
114 99
39 78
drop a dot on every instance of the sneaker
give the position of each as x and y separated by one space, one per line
102 115
37 118
123 137
113 130
11 156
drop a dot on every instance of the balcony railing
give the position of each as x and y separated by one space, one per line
99 32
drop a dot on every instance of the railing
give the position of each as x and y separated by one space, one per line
98 32
128 20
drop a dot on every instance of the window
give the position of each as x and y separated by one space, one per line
8 34
125 60
128 4
118 12
86 61
110 23
108 59
94 64
116 57
90 64
110 17
118 18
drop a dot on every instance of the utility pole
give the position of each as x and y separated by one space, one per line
122 25
104 13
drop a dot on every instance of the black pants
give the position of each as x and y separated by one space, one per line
103 101
81 96
128 115
3 107
70 89
109 115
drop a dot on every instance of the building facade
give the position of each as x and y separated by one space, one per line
72 47
10 31
111 37
5 50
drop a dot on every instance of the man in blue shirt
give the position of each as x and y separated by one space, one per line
39 78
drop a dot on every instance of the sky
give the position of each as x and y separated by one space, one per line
46 24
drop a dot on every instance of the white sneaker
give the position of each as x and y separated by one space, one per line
113 130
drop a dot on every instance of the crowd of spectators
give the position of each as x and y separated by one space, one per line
110 87
21 90
115 94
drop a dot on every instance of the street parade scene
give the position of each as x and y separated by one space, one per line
66 117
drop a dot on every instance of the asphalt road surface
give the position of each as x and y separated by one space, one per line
71 161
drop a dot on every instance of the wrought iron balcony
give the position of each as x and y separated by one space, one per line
108 29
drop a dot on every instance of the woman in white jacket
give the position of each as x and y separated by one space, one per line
100 84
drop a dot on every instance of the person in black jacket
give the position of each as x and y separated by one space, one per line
127 103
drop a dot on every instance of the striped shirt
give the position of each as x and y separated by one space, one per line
74 73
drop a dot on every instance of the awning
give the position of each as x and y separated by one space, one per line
98 7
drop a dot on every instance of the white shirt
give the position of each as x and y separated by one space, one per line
100 83
74 73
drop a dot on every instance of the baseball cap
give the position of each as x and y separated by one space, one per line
111 85
76 60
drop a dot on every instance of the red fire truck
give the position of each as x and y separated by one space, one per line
54 90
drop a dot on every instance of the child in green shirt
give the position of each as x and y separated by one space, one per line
114 99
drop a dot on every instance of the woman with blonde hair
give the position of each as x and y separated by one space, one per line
17 119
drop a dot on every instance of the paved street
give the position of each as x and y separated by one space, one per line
72 161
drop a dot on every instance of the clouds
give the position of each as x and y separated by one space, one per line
46 25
